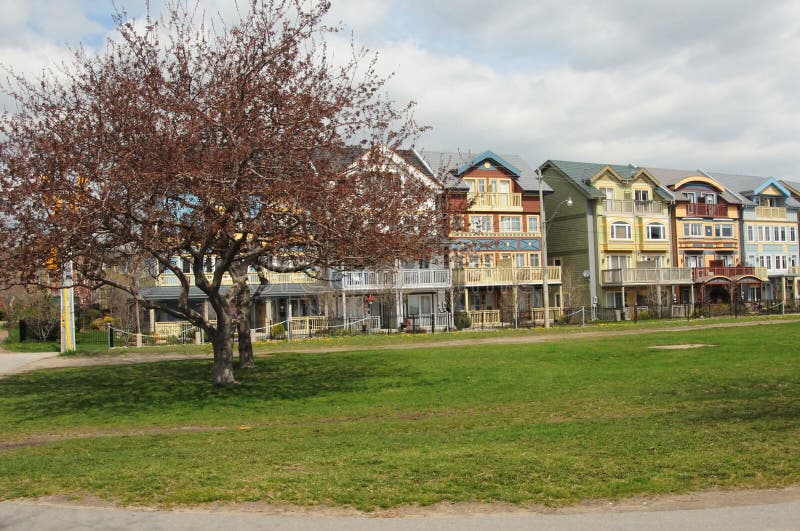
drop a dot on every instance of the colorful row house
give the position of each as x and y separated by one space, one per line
491 267
645 236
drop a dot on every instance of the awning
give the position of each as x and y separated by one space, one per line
714 280
746 279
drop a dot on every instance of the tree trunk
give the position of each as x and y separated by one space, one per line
246 359
223 352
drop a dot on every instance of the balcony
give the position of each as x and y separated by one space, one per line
646 276
410 279
765 212
497 235
629 206
706 210
495 201
169 279
504 276
758 272
794 271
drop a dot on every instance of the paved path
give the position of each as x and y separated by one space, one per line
14 362
25 516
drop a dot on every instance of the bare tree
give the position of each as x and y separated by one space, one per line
192 139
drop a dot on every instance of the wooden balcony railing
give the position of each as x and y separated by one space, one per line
758 272
484 318
630 206
504 276
494 201
765 212
707 210
646 276
390 279
170 279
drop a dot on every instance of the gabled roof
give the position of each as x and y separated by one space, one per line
672 178
582 173
448 166
750 185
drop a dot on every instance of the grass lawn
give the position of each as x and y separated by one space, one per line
550 423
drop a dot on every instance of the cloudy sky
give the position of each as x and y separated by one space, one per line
682 84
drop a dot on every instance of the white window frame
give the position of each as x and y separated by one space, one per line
641 195
719 230
750 233
533 224
663 231
504 226
481 227
792 233
534 259
627 229
688 231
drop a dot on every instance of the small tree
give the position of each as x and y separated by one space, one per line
210 142
40 312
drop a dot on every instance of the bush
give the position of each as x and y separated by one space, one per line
461 320
278 331
102 322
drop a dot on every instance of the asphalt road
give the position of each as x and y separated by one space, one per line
43 517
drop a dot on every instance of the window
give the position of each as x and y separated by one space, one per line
691 197
780 262
476 185
793 261
533 259
694 230
618 261
186 265
767 234
782 233
510 223
723 231
488 260
710 198
457 222
498 186
620 231
656 231
693 260
750 234
792 234
474 260
641 195
751 260
209 264
519 260
657 260
608 193
776 231
480 223
768 261
533 223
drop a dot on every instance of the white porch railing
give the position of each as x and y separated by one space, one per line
659 275
484 318
495 201
631 206
765 212
504 276
168 279
392 279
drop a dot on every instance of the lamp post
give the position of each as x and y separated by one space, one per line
545 272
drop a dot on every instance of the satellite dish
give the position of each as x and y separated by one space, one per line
586 274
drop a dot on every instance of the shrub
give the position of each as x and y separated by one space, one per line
461 320
278 331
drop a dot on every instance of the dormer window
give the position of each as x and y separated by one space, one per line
641 195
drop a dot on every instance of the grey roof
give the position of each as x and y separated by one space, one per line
272 290
745 185
669 177
581 172
445 163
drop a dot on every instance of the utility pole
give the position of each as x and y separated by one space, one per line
67 310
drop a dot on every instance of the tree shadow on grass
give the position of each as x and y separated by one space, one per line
175 387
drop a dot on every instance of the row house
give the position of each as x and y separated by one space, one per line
496 237
491 267
614 242
655 236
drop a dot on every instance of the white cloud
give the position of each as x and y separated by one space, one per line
671 84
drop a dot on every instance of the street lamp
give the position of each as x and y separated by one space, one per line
545 272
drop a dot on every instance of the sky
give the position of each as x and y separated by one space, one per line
712 85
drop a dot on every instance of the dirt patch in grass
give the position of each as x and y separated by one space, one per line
685 346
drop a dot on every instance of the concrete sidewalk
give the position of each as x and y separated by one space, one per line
14 362
25 516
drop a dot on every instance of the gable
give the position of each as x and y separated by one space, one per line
488 160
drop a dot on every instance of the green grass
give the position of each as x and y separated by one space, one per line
88 342
550 423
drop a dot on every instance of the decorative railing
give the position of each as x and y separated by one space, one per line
707 210
171 279
501 276
484 318
395 279
656 275
493 234
765 212
630 206
494 201
758 272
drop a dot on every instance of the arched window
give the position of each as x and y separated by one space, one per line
656 231
620 230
